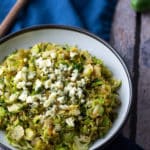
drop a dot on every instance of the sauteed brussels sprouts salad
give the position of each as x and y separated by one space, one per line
56 97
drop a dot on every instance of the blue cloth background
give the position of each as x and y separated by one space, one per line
93 15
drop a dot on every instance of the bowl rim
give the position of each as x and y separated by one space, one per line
85 32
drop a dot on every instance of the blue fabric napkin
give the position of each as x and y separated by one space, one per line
93 15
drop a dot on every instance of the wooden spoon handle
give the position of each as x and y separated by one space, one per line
10 18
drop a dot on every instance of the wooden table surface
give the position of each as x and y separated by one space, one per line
130 36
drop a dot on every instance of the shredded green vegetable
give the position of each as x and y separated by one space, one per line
56 97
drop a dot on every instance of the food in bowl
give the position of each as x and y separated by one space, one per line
56 97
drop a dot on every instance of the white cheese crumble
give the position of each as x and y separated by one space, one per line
80 93
47 83
1 70
24 69
82 101
31 75
14 107
51 99
52 76
74 75
59 84
28 83
48 63
38 84
1 86
30 99
53 55
23 96
63 67
72 91
21 85
73 54
13 97
57 71
70 122
1 93
51 112
20 76
61 99
46 54
63 107
40 62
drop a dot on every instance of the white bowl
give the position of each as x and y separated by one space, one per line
84 40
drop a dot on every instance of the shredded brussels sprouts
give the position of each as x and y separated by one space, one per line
56 97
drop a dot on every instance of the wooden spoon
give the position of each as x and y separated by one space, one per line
10 18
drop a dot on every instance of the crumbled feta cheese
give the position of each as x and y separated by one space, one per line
31 75
47 84
45 71
70 122
76 112
53 54
1 70
73 99
24 69
59 85
69 68
29 83
43 98
80 93
82 83
50 100
60 92
14 107
1 86
25 59
23 95
6 94
52 111
13 97
46 54
37 97
30 99
52 76
61 99
57 71
38 84
63 67
35 104
40 62
48 63
21 85
73 54
73 78
82 101
48 113
1 93
72 91
20 76
53 96
63 107
74 75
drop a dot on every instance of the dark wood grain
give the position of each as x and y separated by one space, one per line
143 122
123 38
